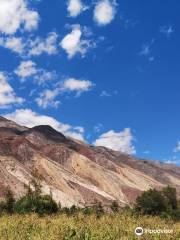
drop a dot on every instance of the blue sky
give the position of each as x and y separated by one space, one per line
103 71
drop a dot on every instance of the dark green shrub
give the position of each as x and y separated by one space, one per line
115 206
88 210
70 211
9 201
46 205
25 205
99 210
175 214
73 209
151 202
170 195
40 204
2 207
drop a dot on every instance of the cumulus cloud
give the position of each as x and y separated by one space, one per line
43 76
29 68
27 117
15 14
76 85
13 43
7 94
31 46
75 7
104 12
118 141
26 69
39 45
73 43
47 98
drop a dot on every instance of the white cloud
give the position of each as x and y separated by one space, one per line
167 30
104 12
47 98
13 43
43 76
7 94
31 46
38 46
15 14
27 117
29 68
75 7
73 43
26 69
76 85
177 148
118 141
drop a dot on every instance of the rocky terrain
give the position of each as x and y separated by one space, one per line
75 173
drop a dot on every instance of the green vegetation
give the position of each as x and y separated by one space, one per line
114 206
32 202
119 226
38 217
163 203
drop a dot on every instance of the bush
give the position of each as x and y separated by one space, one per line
2 207
99 210
46 205
170 195
114 206
151 202
40 204
175 214
9 202
88 210
163 203
70 211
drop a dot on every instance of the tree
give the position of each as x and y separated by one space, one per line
42 205
36 183
88 210
9 200
151 202
99 210
2 207
114 206
170 195
34 201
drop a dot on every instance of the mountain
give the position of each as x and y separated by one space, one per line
75 172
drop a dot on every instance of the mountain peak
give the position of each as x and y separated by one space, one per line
49 133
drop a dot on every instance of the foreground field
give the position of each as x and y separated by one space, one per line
82 227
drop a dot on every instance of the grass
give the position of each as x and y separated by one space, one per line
83 227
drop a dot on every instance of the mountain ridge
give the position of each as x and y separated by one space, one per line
76 173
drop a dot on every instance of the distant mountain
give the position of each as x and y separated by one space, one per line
76 173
